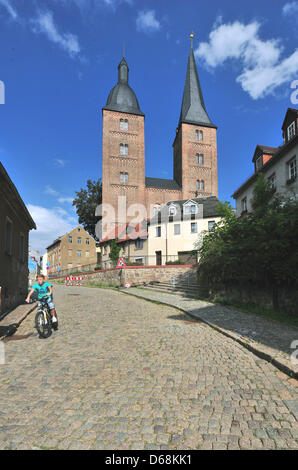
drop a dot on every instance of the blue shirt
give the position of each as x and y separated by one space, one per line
42 289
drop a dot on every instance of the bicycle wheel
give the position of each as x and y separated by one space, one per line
43 324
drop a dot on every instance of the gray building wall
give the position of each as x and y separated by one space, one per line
280 168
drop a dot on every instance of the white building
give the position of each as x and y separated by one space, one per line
278 165
176 229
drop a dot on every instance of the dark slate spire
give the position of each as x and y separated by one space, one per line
193 109
122 98
123 72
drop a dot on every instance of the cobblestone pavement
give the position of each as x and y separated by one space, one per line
266 336
123 373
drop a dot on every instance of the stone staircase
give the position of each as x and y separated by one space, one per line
186 287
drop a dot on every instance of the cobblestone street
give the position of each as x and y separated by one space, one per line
124 373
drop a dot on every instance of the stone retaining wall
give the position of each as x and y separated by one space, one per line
138 275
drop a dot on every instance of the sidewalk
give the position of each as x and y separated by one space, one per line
16 316
267 339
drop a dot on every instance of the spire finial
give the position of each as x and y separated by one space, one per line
191 38
123 50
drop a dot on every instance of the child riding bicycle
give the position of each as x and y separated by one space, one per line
44 290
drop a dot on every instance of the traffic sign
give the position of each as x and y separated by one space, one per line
121 264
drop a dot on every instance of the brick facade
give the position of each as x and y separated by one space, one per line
123 171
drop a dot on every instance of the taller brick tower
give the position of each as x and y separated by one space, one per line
195 144
123 150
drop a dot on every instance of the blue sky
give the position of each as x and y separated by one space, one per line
59 61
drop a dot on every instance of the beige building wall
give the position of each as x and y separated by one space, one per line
170 244
73 250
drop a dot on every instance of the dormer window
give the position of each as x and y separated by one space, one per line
291 130
172 210
259 163
190 209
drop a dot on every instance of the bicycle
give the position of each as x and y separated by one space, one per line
43 319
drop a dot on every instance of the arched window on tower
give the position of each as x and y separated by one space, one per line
200 159
123 149
123 124
199 135
200 185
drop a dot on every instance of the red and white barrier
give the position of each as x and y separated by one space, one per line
74 280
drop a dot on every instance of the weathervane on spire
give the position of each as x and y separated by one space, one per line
191 38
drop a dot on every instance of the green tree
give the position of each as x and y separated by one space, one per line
115 250
86 203
257 249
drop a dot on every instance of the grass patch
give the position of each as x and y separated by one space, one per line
266 312
101 285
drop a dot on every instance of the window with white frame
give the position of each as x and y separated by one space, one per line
87 241
244 204
177 229
199 135
190 209
156 209
8 236
200 159
79 253
194 227
211 224
291 130
87 254
79 240
292 169
172 210
272 181
123 124
70 239
123 149
200 185
123 177
139 244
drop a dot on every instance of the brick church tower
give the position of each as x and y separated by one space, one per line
194 148
195 144
123 145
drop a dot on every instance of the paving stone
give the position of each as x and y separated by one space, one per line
120 374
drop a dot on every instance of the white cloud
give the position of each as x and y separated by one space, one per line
9 8
50 223
290 9
49 190
60 162
65 199
61 199
147 22
44 24
263 70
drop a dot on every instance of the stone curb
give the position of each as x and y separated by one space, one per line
21 319
252 347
